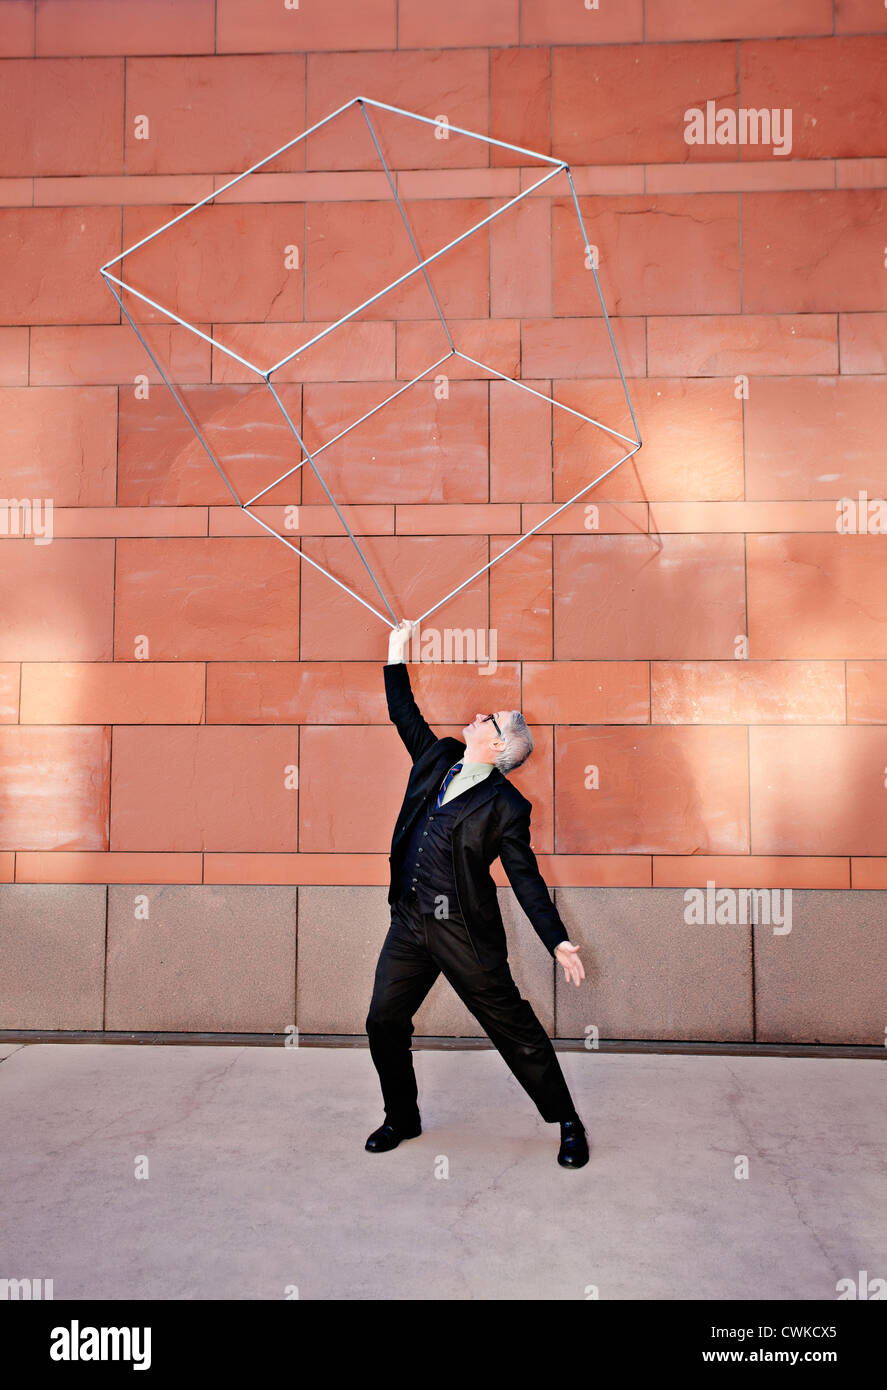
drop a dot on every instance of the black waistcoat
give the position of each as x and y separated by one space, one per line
427 877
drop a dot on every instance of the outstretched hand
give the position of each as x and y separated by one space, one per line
569 958
399 640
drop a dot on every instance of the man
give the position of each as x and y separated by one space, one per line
460 812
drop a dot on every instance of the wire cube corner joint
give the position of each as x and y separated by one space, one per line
365 106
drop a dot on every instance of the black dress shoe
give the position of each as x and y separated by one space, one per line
388 1137
573 1152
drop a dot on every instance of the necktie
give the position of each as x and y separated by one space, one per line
446 782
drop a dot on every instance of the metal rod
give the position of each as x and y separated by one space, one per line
472 134
603 305
322 482
400 208
318 567
210 196
184 322
349 428
533 392
191 421
416 268
525 536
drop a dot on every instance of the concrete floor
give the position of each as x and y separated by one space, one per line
258 1178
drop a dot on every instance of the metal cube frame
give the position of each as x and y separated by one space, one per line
265 374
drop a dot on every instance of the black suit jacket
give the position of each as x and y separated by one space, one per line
493 821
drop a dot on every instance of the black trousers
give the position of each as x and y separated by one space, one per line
417 948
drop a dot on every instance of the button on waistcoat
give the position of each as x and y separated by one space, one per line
427 874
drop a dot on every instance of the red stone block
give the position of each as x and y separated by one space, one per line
495 342
668 255
456 520
659 791
415 449
692 433
161 458
859 16
61 117
577 347
60 866
746 517
352 782
834 88
267 26
228 789
816 597
499 185
860 173
106 26
14 356
17 30
520 442
359 352
64 600
304 521
354 250
579 518
290 692
868 873
213 113
520 102
520 598
592 88
253 271
751 177
553 22
699 19
9 691
201 599
130 521
432 83
817 791
121 190
125 692
750 871
54 788
866 692
742 344
586 692
49 267
863 339
748 692
51 434
648 597
811 437
110 353
415 573
459 24
788 270
323 869
520 261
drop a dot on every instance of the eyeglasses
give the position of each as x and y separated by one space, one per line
495 725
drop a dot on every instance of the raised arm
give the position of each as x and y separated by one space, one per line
403 711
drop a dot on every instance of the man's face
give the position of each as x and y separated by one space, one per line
482 743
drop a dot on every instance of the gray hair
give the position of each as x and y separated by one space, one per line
518 743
